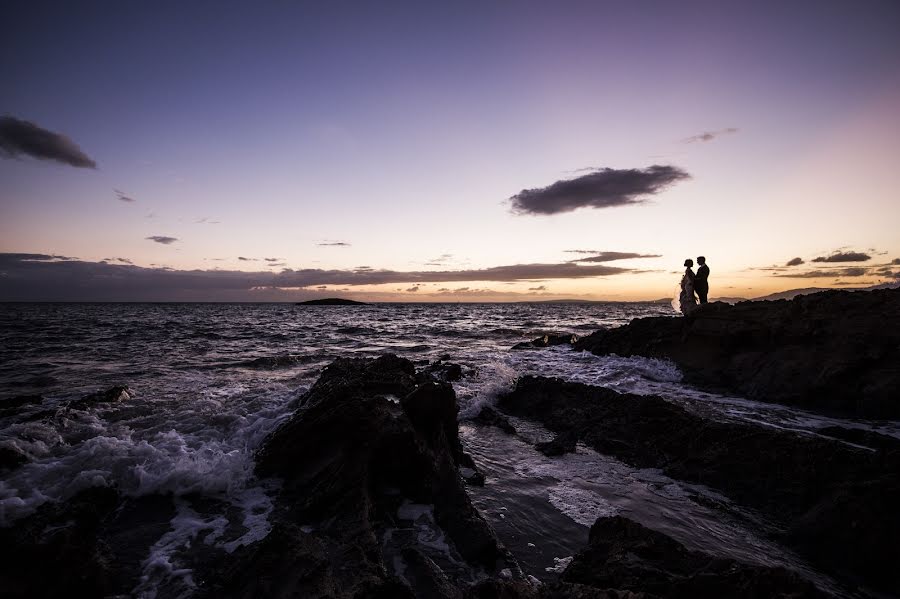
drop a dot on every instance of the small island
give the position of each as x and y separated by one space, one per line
331 301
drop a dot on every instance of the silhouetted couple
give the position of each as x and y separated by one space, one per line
692 283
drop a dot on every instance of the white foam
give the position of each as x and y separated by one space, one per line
560 564
581 505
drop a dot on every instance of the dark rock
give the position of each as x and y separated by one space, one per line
835 497
624 555
331 301
112 395
561 443
369 437
89 546
10 403
836 351
488 416
11 457
862 437
547 341
444 371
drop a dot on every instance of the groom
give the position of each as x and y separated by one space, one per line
701 280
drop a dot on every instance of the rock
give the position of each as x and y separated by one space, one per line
372 446
836 351
92 545
444 371
561 443
11 403
331 301
11 457
547 341
624 555
488 416
834 497
112 395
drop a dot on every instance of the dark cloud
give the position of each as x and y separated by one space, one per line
120 195
844 257
243 259
610 256
603 188
794 262
334 244
272 259
895 261
541 288
322 287
162 239
413 289
820 274
709 135
49 277
122 260
24 137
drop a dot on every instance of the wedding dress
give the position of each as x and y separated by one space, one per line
684 300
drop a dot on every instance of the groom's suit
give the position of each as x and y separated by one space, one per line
701 283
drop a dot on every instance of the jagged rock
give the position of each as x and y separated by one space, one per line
624 555
491 417
112 395
561 444
369 439
89 546
444 371
547 341
835 498
836 351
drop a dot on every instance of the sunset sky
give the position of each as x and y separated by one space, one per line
446 151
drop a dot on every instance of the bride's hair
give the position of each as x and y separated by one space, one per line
689 263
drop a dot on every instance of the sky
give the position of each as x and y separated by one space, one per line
466 151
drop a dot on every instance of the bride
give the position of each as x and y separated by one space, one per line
684 300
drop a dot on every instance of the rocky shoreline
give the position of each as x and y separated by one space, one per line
835 351
373 498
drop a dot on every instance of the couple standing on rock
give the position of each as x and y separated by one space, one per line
692 283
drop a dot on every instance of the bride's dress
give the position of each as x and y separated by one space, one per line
684 300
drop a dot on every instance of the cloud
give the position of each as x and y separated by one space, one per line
120 195
820 274
24 137
162 239
413 289
709 135
49 277
122 260
603 188
844 257
610 256
243 259
794 262
895 261
206 221
272 259
541 288
334 244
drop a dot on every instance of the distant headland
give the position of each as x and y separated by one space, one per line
331 301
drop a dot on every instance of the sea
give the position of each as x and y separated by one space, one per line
207 382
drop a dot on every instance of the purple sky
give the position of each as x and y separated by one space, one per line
413 139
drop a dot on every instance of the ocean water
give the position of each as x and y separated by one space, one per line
208 382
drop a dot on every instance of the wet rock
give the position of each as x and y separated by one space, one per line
370 439
11 457
547 341
89 546
835 351
834 497
18 401
624 555
488 416
112 395
561 444
443 371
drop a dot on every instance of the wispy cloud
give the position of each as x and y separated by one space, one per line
120 195
18 137
844 257
821 274
602 188
609 256
709 135
48 276
163 239
334 244
539 288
